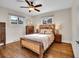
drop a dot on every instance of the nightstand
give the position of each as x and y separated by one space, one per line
58 38
29 29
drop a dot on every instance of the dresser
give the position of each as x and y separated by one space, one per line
29 29
3 33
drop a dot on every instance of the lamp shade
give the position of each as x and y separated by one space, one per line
30 22
58 26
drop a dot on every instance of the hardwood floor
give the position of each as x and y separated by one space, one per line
57 50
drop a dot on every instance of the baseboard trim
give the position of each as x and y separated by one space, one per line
11 41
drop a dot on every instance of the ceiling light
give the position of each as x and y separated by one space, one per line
31 8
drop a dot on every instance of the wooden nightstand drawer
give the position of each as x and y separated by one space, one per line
29 29
58 38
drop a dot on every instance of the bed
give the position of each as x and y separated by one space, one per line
39 42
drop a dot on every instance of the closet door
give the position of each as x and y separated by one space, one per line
2 33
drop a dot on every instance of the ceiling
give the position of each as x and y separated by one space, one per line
48 5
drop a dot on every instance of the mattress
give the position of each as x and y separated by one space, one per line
46 39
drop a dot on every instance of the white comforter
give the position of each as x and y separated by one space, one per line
44 38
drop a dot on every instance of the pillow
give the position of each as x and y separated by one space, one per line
46 31
42 31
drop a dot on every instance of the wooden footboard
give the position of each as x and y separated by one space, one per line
35 46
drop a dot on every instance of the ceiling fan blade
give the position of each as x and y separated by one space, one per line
27 2
23 7
37 10
38 5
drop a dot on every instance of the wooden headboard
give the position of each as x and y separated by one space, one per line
48 26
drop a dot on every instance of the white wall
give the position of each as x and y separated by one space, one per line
13 31
75 27
60 17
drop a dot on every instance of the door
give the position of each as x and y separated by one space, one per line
2 33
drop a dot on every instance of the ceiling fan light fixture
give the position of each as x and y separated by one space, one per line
31 8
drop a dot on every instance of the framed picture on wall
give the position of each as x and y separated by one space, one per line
20 20
16 19
47 20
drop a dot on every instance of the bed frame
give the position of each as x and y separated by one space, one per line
35 46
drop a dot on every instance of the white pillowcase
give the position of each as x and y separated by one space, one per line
46 31
42 31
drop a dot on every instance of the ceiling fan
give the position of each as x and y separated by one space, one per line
32 6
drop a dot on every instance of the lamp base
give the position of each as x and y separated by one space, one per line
37 31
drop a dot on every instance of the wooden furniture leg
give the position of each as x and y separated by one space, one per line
41 50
